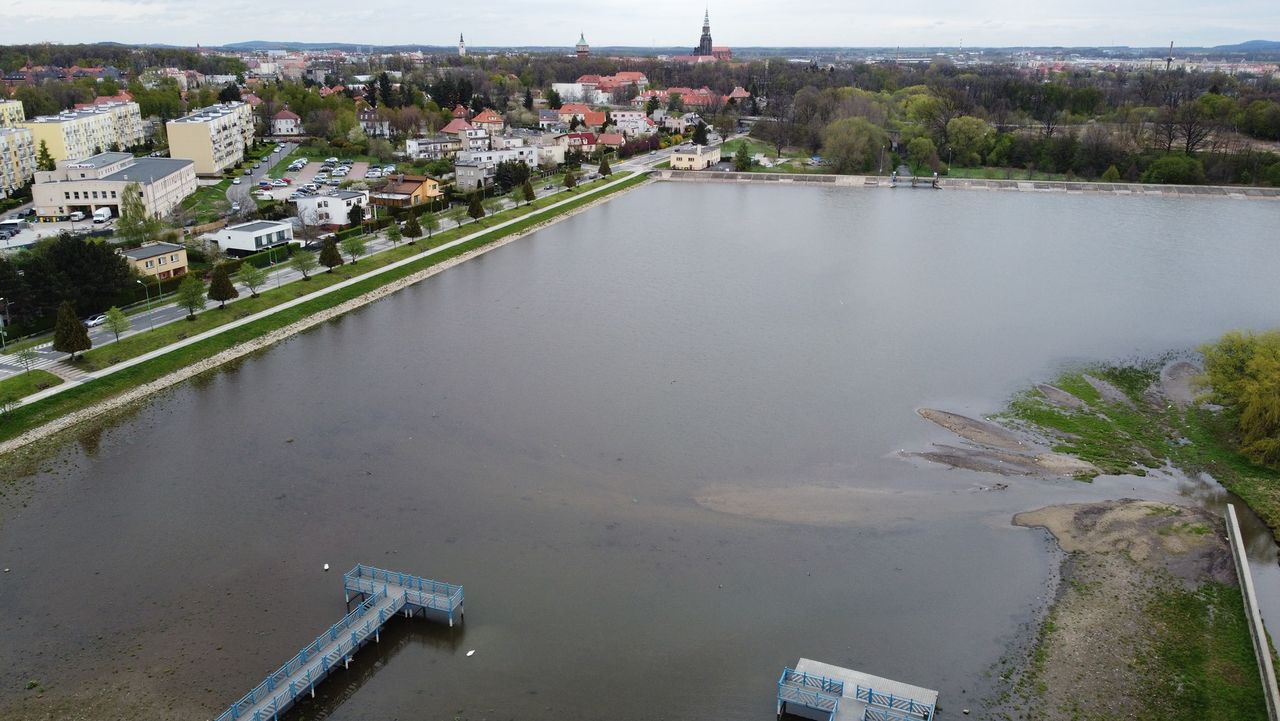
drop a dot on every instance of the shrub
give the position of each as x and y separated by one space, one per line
1175 169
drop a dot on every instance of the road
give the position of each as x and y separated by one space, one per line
243 193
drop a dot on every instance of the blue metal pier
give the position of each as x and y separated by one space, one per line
823 692
381 595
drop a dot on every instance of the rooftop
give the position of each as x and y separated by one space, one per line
149 170
204 115
254 226
151 250
101 160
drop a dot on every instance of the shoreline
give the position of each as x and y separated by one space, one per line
1023 186
146 390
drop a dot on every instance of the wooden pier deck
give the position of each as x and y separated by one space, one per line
381 595
824 692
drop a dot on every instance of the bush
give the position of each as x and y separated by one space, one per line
1272 175
1242 371
1175 169
1111 176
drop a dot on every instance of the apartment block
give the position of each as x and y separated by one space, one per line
17 159
214 138
11 113
88 131
99 181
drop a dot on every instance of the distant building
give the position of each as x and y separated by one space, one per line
158 260
695 157
582 49
17 159
99 181
704 43
286 122
432 147
11 113
406 191
80 133
462 47
706 52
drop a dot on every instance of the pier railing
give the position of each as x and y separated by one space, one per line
419 591
876 713
914 708
341 639
811 691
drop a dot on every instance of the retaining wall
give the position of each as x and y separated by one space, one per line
1261 648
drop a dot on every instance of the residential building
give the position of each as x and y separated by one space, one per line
611 140
11 113
158 260
469 137
548 119
526 155
490 121
405 191
253 237
695 157
432 147
331 209
470 176
93 129
98 181
17 160
582 142
214 138
286 122
374 125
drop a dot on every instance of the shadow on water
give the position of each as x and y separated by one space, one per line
397 635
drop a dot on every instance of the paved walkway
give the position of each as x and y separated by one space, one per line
542 213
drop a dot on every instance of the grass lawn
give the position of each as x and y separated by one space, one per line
208 203
85 394
1005 174
24 384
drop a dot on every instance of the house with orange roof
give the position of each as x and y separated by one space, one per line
286 122
490 121
459 111
469 136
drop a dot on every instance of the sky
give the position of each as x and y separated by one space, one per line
653 23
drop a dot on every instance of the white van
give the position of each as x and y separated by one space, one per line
76 217
101 215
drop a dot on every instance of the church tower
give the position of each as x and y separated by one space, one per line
582 49
462 47
704 44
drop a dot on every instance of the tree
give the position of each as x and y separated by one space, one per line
742 158
229 94
252 277
675 103
700 134
922 153
510 174
355 216
1175 169
394 235
1112 175
475 208
970 139
90 274
853 145
44 160
527 191
27 357
329 255
605 170
117 321
135 226
570 180
651 105
221 288
528 99
553 100
354 247
456 214
1242 372
69 334
412 229
492 206
303 261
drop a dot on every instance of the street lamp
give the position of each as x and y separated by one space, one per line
146 289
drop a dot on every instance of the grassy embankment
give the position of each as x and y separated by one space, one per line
1144 433
208 203
29 416
24 384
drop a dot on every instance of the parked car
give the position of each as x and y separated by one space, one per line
235 207
335 182
236 181
373 174
548 186
287 181
278 184
330 160
76 217
347 162
388 169
257 165
95 321
7 233
248 171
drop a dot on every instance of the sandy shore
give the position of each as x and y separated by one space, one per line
147 390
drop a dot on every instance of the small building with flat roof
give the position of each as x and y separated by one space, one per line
158 260
253 237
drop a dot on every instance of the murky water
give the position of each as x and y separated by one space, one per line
541 424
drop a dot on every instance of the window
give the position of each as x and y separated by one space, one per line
66 196
95 195
77 194
113 194
151 264
174 258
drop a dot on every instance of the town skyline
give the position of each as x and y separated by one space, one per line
663 24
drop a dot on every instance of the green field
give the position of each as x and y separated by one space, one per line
26 383
208 203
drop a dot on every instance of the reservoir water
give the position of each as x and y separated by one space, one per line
658 443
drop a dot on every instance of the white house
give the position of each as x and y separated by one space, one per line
526 155
286 122
432 147
695 157
331 208
252 237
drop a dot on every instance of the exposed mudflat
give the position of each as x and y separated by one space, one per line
996 449
984 433
1177 382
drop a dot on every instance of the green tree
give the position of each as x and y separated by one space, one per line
191 295
853 145
304 261
970 139
252 277
221 288
27 357
527 191
1175 169
675 103
492 206
605 170
528 99
355 216
135 226
475 207
354 247
570 180
700 133
69 334
394 235
652 104
413 229
1242 372
742 158
431 222
455 215
553 100
44 161
329 255
922 153
1111 175
117 321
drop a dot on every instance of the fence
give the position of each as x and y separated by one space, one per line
1261 647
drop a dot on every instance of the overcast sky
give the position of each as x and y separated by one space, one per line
651 23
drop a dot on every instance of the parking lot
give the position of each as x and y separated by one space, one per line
307 174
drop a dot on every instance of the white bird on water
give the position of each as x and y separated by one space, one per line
326 567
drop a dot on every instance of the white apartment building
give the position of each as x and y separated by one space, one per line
331 208
88 131
11 113
526 155
17 159
214 138
99 181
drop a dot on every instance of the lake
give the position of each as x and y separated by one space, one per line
657 442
